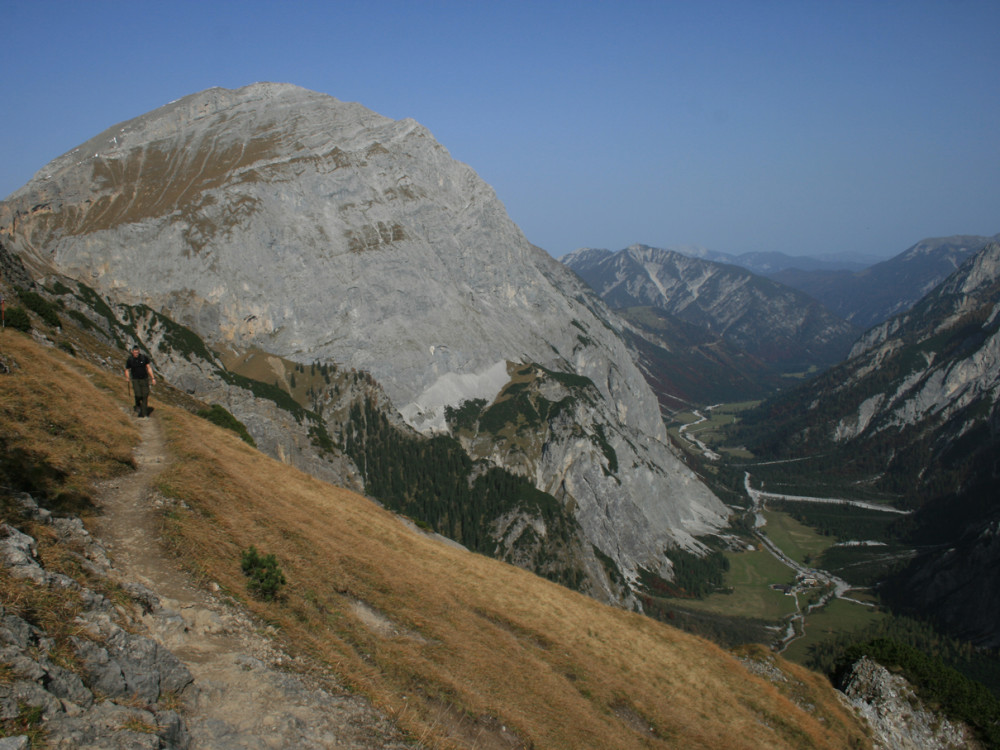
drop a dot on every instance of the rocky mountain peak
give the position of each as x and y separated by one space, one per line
283 220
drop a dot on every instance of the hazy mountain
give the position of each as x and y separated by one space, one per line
869 296
769 263
282 221
770 322
913 412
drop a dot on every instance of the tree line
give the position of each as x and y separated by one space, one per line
435 482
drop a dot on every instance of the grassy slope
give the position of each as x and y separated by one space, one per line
466 644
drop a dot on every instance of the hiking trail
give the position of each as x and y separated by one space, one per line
246 692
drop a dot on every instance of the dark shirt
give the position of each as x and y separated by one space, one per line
137 366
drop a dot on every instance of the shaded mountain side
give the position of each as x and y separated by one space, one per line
12 271
773 323
953 578
913 415
869 296
686 365
457 649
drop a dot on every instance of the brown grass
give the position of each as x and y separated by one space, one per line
463 650
62 426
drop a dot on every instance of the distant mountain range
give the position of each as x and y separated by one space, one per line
766 263
706 342
869 296
862 291
772 323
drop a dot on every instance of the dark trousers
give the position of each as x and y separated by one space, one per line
140 389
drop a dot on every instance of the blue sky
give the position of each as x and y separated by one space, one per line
803 127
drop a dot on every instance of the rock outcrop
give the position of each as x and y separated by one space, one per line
129 682
898 717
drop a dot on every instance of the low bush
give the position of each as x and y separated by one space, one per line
219 415
266 578
17 318
41 307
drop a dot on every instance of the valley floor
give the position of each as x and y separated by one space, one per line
787 587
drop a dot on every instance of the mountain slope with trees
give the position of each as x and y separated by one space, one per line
912 416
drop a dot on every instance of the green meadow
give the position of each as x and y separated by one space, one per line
749 578
836 617
800 542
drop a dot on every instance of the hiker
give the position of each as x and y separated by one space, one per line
139 370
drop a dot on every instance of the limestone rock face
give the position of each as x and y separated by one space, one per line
285 220
953 344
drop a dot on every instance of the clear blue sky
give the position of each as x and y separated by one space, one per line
807 127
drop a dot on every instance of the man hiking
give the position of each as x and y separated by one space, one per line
139 370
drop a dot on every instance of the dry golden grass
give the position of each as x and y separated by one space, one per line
486 640
62 425
455 645
62 429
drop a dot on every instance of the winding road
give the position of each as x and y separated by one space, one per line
831 585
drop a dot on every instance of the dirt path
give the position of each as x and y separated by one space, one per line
245 694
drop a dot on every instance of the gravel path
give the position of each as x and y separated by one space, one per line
246 693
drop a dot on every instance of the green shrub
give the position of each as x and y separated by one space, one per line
85 323
218 415
41 307
266 578
17 318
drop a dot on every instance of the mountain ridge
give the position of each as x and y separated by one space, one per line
767 263
870 296
770 321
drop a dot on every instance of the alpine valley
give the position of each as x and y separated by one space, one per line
906 419
667 432
912 418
